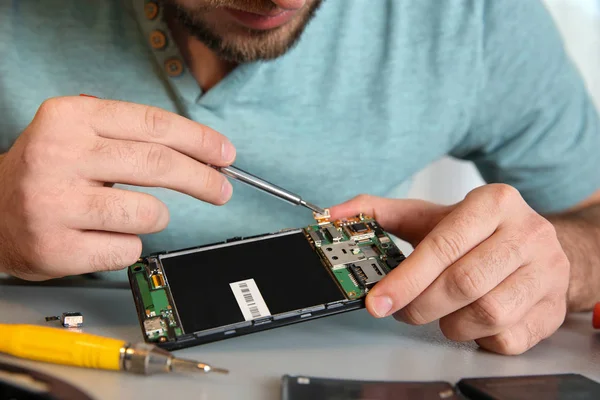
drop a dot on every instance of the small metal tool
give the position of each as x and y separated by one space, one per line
147 359
60 346
267 187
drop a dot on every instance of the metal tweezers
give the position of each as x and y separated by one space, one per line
267 187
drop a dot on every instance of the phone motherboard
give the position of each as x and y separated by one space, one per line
243 285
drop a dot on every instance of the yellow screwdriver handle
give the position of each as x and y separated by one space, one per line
59 346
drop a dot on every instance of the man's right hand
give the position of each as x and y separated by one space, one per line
60 215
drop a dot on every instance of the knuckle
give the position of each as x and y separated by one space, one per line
466 282
539 227
204 138
101 146
494 197
412 284
447 246
158 160
535 333
211 185
453 329
106 209
103 261
94 204
114 257
505 343
156 122
412 316
209 180
122 251
122 151
529 286
489 312
52 108
509 250
127 153
503 194
561 262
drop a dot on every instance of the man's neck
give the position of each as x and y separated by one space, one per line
203 63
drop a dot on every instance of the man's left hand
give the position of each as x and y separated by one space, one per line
489 268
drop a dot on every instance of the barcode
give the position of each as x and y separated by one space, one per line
251 303
250 300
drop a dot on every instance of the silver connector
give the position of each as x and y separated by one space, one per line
147 359
310 206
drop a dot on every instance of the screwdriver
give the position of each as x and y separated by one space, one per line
60 346
261 184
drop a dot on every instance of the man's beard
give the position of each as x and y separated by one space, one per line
235 43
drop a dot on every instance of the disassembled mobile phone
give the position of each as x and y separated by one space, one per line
244 285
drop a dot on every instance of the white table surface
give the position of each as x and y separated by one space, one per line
350 345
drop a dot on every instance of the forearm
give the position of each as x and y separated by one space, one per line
579 235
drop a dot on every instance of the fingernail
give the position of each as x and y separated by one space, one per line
226 190
227 152
381 305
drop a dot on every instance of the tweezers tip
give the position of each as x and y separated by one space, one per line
314 208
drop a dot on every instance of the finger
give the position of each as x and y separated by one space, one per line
540 323
91 251
408 219
116 210
154 165
469 224
470 278
108 251
501 308
129 121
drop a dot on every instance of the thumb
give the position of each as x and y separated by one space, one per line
410 220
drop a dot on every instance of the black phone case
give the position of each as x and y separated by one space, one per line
310 388
554 387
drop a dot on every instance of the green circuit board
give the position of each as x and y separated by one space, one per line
356 250
159 318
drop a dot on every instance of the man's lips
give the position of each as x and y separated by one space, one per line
290 4
264 21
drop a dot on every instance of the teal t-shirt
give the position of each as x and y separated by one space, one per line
374 91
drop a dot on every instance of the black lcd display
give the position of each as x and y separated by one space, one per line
287 271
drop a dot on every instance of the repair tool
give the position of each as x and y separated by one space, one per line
261 184
59 346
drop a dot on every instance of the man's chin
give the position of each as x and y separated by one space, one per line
244 38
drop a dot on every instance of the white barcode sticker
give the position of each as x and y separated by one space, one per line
249 299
